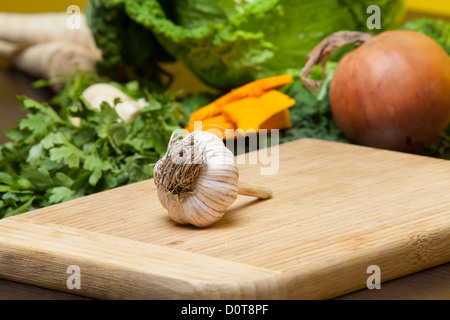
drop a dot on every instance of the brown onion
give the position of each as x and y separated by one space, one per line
391 92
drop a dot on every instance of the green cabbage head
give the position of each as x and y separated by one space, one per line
226 43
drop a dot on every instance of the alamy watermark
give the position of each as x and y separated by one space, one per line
374 21
374 280
73 22
74 280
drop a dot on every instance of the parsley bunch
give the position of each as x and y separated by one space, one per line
50 160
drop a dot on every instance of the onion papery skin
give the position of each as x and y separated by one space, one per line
393 92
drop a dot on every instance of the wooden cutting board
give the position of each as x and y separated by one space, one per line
337 209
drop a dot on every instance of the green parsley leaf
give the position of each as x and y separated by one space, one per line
50 160
60 194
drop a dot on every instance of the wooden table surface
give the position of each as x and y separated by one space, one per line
429 284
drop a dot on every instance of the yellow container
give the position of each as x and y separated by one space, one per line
433 7
33 6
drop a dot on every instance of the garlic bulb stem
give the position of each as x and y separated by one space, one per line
253 190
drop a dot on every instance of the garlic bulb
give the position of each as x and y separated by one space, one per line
197 180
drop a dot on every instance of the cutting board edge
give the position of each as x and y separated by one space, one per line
27 261
416 251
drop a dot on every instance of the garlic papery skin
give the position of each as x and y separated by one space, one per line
197 179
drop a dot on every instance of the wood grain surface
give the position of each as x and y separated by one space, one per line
336 209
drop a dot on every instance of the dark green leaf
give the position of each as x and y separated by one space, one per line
6 178
40 177
63 180
23 208
95 176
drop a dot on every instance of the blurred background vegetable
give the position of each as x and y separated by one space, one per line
42 45
225 43
391 92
